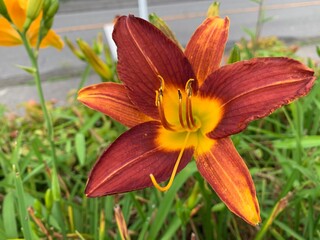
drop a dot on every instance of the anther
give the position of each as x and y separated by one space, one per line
188 87
161 82
159 104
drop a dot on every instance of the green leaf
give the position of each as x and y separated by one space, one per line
80 143
166 203
9 217
24 216
318 50
291 143
30 70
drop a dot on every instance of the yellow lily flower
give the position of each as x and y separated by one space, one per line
9 36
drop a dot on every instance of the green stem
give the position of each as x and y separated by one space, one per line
33 56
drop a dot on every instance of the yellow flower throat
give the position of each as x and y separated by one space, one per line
186 119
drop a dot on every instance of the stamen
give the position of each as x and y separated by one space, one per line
157 98
180 109
189 116
164 121
161 82
188 88
174 171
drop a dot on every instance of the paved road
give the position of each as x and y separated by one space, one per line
292 19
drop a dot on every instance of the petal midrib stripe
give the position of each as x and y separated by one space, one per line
265 86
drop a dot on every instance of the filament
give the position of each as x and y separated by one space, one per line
189 116
180 109
174 171
164 121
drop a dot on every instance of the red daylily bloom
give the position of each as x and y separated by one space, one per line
179 104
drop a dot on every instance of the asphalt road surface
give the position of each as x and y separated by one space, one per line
291 19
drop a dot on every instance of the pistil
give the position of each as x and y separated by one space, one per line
175 168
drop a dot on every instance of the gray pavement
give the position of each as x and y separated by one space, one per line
293 20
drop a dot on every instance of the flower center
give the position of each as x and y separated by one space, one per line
186 119
187 122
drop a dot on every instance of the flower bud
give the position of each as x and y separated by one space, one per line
95 62
74 49
213 9
46 5
33 10
160 24
234 55
52 9
48 23
98 44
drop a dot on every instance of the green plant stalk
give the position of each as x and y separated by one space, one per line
33 56
258 26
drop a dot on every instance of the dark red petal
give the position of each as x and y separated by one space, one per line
128 162
144 53
112 99
253 89
229 177
206 46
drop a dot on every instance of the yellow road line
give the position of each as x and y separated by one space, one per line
197 14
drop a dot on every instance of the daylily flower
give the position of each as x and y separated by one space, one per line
10 37
182 104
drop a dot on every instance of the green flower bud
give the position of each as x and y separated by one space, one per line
234 55
46 5
213 9
74 50
33 10
160 24
95 62
52 10
48 23
98 44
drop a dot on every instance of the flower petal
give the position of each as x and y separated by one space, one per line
145 53
206 46
112 99
8 36
51 39
228 175
128 162
253 89
17 11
